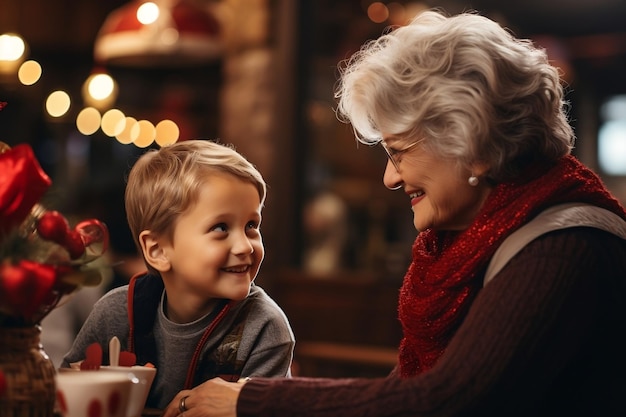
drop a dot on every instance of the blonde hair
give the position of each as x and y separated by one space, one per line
464 84
164 183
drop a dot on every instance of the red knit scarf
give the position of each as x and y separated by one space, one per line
447 268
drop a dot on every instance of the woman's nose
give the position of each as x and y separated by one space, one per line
391 177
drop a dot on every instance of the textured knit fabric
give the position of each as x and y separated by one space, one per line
441 282
544 338
263 346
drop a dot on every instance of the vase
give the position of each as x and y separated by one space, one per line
29 388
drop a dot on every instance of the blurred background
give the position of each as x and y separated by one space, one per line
91 85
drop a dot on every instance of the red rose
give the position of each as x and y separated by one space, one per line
22 183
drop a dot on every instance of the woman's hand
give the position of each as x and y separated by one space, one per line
213 398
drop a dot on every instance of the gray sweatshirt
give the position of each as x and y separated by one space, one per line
253 339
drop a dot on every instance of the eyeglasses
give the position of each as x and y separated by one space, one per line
394 154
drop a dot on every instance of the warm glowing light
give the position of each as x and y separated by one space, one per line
88 121
12 52
29 72
113 122
147 133
101 86
148 13
58 103
167 133
100 91
130 132
377 12
12 47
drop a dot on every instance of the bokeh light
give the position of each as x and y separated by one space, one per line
88 121
612 147
167 133
12 52
100 86
377 12
100 91
147 133
148 13
129 133
58 103
29 72
12 47
113 122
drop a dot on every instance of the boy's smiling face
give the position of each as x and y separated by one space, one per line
216 250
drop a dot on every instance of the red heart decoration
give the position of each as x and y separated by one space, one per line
53 226
26 285
91 235
127 358
95 408
74 244
95 236
61 402
93 357
114 402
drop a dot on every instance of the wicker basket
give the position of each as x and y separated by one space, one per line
29 374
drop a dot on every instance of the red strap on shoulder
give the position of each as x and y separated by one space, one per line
131 316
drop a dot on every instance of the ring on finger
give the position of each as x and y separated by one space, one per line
181 406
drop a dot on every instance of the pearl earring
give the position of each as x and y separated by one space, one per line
473 181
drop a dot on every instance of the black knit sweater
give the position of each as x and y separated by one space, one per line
544 338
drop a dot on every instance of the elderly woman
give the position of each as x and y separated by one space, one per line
515 301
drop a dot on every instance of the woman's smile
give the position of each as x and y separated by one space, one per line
416 197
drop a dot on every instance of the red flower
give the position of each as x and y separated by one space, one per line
22 184
41 257
26 285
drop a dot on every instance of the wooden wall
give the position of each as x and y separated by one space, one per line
345 325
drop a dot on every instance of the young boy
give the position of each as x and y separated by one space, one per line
194 209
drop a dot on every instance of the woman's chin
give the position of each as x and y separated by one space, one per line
421 224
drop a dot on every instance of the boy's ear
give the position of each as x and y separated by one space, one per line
153 251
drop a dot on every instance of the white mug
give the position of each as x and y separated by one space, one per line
142 376
89 393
